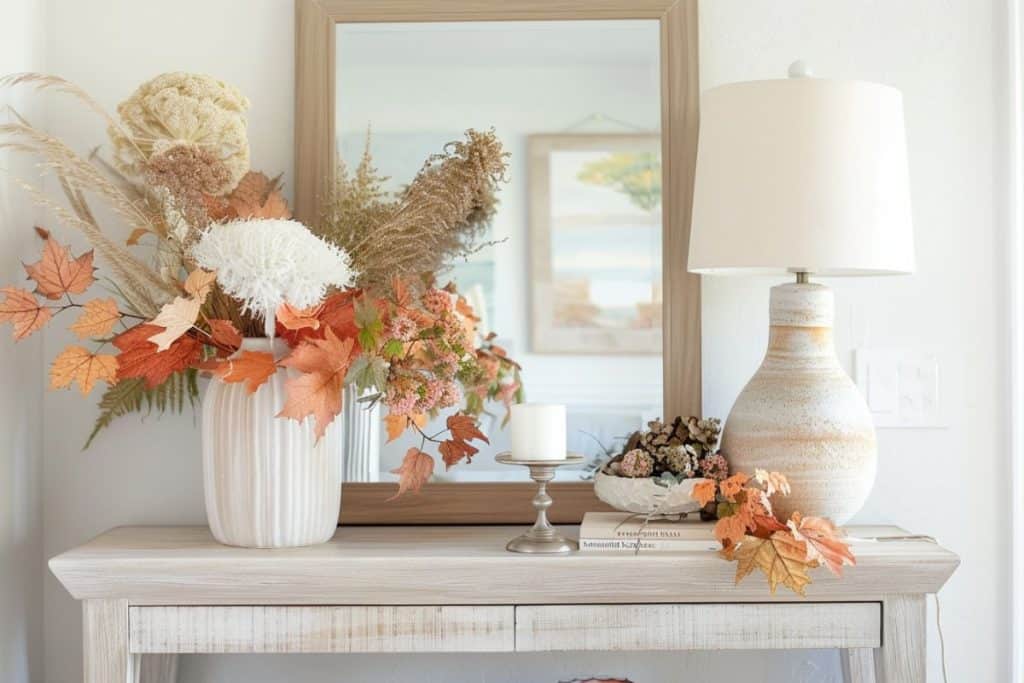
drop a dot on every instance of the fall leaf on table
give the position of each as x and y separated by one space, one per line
414 472
57 273
396 424
292 318
252 367
318 391
773 482
704 491
76 364
780 557
21 308
139 356
224 333
199 283
97 319
733 485
731 528
823 541
176 318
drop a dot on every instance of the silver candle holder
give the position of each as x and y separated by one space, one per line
542 538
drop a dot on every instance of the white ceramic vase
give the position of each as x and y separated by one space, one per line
268 482
801 414
360 437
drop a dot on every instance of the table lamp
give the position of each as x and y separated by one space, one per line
807 177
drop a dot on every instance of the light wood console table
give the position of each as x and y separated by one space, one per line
151 592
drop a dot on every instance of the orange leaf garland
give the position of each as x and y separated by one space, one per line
76 364
415 470
704 491
317 392
781 558
252 367
57 273
20 308
823 542
97 319
733 485
139 356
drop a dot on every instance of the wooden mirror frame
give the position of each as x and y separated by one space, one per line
315 31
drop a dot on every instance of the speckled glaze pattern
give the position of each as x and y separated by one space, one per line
268 482
643 496
801 414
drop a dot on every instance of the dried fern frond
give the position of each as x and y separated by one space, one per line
439 217
132 396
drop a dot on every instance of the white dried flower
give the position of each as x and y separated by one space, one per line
267 262
183 109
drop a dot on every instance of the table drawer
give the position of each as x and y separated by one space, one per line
754 626
332 628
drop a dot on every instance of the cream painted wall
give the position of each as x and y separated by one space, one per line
22 48
950 482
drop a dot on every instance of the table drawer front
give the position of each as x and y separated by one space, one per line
324 629
754 626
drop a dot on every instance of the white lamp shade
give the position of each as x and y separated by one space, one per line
802 174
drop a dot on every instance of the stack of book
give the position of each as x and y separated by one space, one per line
623 532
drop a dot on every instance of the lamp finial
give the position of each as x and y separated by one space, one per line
800 69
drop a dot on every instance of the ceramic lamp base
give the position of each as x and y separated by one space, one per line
801 414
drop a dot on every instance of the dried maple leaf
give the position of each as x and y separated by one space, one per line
414 472
730 529
257 196
823 541
463 428
773 482
224 333
317 392
76 364
704 491
23 311
57 273
177 318
199 283
734 484
781 558
139 356
396 424
97 319
292 318
454 450
252 367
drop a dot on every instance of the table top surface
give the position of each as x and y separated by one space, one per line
365 565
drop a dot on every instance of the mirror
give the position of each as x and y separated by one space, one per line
572 285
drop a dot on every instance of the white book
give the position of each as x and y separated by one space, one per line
626 546
625 525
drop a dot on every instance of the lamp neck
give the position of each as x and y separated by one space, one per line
802 277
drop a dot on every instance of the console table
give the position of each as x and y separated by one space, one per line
149 593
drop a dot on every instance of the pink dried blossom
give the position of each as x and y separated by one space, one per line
451 395
636 464
437 301
402 328
715 466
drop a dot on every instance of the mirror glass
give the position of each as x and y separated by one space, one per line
572 288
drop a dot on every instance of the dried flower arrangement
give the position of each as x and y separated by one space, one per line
224 261
672 451
755 538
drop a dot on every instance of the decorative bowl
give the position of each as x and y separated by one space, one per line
644 495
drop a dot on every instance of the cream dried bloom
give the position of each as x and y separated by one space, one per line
265 263
183 109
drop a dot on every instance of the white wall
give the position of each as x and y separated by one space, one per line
22 48
949 483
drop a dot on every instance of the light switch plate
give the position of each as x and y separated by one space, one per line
901 387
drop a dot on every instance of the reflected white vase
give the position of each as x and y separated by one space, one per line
268 482
360 440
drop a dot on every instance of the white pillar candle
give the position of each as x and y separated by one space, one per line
538 431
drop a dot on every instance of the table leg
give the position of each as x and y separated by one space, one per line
858 665
902 657
105 642
156 668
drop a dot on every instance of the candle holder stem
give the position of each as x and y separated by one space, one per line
542 537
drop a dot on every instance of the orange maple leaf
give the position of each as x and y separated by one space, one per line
318 390
176 318
781 558
97 319
463 428
22 310
773 482
76 364
139 357
199 283
252 367
292 318
731 486
414 472
704 491
396 424
224 333
57 273
823 541
454 450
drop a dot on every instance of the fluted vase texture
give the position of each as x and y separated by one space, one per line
268 482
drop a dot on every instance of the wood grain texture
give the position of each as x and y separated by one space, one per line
465 502
492 10
903 655
456 566
324 629
858 665
105 642
626 628
314 108
155 668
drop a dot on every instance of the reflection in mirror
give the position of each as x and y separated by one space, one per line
572 283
